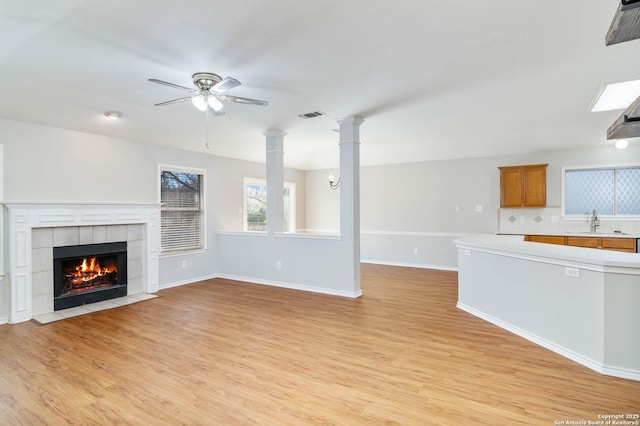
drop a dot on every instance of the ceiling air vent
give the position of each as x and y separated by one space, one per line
313 114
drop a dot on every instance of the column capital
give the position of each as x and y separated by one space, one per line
350 129
275 133
354 120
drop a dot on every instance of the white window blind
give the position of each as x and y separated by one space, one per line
182 210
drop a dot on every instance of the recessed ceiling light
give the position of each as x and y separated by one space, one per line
622 143
617 96
113 115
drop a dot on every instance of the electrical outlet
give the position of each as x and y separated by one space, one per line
572 272
457 208
278 265
466 252
479 208
184 264
415 250
555 219
523 219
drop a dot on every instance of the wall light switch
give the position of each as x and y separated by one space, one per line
457 208
479 208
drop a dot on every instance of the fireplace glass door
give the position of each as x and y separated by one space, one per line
89 273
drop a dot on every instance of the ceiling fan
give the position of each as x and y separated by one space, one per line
209 92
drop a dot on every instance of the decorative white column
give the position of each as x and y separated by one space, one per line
350 191
275 180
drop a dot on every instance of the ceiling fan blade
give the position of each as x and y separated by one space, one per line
175 86
225 84
173 101
246 101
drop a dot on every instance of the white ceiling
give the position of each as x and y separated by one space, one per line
433 79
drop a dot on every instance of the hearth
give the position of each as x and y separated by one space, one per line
88 273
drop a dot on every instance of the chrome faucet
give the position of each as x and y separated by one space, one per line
595 222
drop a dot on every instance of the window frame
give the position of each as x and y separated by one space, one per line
263 182
203 208
596 167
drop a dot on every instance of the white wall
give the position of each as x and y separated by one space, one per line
426 205
44 164
230 189
4 282
404 207
307 262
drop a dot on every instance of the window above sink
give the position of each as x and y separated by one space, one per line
612 191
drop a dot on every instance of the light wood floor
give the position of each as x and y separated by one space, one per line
227 353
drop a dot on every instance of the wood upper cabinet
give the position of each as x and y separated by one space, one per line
523 186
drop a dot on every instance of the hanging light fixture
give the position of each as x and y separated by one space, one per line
204 100
214 103
200 102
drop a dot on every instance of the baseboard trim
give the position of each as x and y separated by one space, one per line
310 289
560 350
185 282
410 265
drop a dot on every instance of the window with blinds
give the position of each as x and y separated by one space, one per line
182 212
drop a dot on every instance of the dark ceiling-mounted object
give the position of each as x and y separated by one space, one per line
625 27
627 125
626 23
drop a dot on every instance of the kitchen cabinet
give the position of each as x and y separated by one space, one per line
589 242
523 186
627 245
547 239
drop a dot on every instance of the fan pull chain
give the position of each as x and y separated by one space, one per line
206 129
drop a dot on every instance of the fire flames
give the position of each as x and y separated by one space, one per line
89 270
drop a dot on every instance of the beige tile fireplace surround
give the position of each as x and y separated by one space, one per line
34 229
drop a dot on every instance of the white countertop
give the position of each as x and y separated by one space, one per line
575 234
514 245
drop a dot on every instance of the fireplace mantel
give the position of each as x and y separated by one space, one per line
21 218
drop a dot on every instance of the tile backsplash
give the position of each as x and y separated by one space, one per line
549 220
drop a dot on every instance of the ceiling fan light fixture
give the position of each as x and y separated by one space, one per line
214 103
200 102
209 92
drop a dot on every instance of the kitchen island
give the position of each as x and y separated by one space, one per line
581 303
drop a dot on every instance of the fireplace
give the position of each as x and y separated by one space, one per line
89 273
